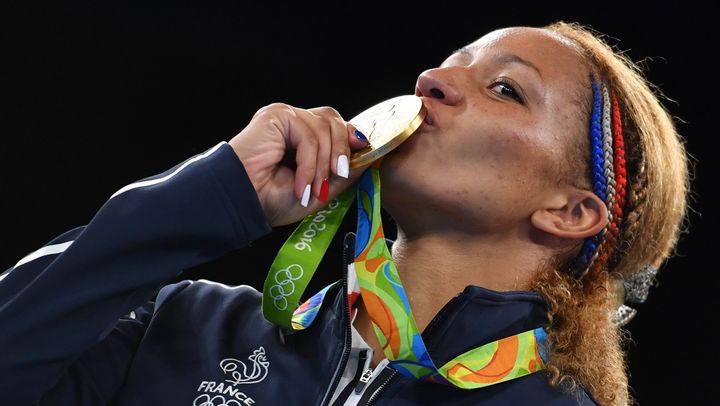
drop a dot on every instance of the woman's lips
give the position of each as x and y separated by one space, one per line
428 121
428 118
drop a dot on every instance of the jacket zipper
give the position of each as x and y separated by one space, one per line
348 333
370 381
359 376
380 388
364 379
367 376
378 391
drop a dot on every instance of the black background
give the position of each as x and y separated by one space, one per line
97 95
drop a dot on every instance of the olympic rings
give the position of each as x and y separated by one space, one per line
217 400
284 287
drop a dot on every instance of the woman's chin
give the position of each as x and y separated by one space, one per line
402 155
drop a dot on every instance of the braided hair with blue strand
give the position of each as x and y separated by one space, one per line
608 178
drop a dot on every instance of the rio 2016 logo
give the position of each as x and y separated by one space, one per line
284 285
315 226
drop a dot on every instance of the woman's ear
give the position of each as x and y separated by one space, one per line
572 214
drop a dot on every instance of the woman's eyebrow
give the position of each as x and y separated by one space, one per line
512 58
502 58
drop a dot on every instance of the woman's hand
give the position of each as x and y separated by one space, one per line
288 152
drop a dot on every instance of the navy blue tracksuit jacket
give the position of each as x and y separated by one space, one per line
89 319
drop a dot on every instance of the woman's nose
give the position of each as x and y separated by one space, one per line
440 84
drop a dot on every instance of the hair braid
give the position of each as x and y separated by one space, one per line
648 210
636 198
618 179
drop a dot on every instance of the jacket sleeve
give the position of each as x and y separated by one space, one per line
63 299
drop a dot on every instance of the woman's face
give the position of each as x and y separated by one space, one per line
504 122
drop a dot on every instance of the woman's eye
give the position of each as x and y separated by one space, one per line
507 90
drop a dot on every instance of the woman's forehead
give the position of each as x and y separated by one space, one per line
553 54
532 34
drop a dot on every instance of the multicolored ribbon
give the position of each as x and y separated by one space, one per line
389 308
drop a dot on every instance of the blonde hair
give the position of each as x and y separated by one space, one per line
585 344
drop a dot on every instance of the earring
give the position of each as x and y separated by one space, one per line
635 289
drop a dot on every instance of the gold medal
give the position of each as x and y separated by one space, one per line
386 125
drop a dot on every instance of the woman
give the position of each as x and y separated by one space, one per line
512 217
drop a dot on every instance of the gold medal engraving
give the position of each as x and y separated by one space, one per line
386 125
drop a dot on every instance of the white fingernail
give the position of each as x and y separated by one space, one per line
306 196
343 167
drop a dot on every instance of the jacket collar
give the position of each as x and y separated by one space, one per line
474 317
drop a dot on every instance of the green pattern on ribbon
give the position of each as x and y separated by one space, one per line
496 362
298 259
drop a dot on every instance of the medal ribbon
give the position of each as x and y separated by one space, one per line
388 306
295 265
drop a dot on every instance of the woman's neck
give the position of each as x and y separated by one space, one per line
435 268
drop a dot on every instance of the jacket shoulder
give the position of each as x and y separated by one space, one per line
206 292
532 389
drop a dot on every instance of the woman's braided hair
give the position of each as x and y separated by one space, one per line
643 177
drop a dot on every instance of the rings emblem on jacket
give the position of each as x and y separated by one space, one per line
284 285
